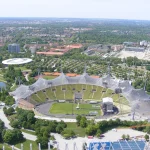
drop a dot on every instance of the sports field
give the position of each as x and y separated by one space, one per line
70 108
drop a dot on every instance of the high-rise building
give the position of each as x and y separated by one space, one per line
14 48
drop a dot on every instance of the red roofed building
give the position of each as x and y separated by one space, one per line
50 53
71 74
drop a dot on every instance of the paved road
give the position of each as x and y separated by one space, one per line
122 117
26 77
6 122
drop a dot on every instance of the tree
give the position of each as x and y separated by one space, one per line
59 128
146 137
1 129
30 117
123 136
68 133
12 136
128 137
15 124
147 129
98 133
43 141
78 118
9 111
83 122
91 130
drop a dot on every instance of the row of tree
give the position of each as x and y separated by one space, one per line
92 128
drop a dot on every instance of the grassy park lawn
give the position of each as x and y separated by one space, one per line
78 130
22 68
68 108
28 131
6 146
26 145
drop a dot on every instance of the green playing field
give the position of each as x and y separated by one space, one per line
70 108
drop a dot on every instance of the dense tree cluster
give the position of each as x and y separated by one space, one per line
6 98
92 128
1 130
8 111
10 136
11 74
43 128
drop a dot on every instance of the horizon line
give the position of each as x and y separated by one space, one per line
79 18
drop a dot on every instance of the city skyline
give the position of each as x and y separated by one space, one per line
109 9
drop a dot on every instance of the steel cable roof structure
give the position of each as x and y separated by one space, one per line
134 96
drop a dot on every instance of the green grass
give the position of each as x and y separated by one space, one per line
42 95
27 131
78 130
13 88
66 108
26 145
2 79
22 68
34 97
6 147
50 94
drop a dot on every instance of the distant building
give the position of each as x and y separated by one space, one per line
14 48
135 49
143 43
33 49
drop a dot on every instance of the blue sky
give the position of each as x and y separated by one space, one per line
115 9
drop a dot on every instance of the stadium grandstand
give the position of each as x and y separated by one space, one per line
63 88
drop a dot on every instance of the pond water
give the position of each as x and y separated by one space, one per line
2 85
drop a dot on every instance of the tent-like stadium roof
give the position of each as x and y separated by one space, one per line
128 91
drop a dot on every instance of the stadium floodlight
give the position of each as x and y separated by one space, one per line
30 146
39 71
21 146
105 83
49 83
17 79
31 88
49 146
145 84
109 69
61 68
118 90
39 146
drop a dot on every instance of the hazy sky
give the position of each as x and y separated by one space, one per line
117 9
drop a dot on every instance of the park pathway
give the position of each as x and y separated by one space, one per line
6 122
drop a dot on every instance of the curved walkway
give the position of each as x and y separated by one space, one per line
6 122
122 117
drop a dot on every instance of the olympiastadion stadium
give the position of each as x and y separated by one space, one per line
103 97
84 95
